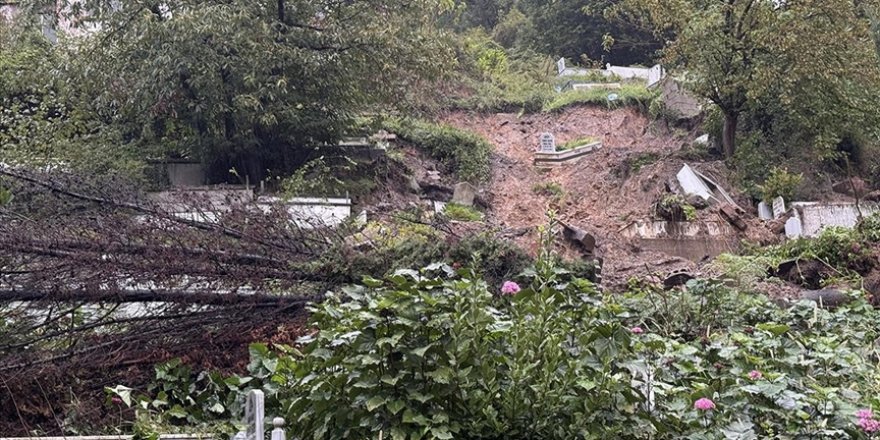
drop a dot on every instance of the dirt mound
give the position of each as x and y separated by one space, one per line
603 192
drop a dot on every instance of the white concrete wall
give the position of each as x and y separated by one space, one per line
815 217
311 212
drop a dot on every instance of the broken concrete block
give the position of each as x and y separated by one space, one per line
733 215
583 239
693 182
464 194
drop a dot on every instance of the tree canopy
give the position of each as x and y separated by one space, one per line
815 56
249 85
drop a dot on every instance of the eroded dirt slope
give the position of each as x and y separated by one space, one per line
603 192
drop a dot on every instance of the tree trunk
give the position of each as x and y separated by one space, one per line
728 134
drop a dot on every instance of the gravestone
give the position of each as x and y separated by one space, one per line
560 65
547 143
464 194
794 228
254 415
779 207
764 211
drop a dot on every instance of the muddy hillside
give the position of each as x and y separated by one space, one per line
605 192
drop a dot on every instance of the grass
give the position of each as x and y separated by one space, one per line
549 189
462 213
576 143
627 95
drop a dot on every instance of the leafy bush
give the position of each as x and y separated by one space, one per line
628 95
844 250
780 183
466 153
675 208
462 213
439 354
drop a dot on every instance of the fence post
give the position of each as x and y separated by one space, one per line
278 432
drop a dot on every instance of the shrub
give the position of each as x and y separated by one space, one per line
466 153
780 183
462 213
439 353
675 208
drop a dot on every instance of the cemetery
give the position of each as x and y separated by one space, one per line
550 155
389 219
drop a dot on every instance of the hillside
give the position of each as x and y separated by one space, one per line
603 192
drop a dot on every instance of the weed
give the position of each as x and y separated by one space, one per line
462 213
549 189
576 143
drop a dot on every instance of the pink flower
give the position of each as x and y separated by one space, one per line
704 404
755 375
510 288
116 400
637 330
865 413
869 425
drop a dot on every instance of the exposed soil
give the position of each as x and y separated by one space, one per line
605 191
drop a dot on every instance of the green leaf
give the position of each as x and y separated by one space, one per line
420 352
395 406
177 412
774 329
375 402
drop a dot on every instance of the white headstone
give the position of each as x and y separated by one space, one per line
547 143
254 415
764 211
779 207
560 65
794 228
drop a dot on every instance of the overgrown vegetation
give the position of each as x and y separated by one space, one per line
462 213
628 95
780 183
438 353
467 154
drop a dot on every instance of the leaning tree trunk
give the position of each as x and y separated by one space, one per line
728 134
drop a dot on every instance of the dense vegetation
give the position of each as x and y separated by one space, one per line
483 341
439 353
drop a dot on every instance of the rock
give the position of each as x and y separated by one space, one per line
434 175
697 202
849 185
675 279
413 184
464 194
873 196
827 298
